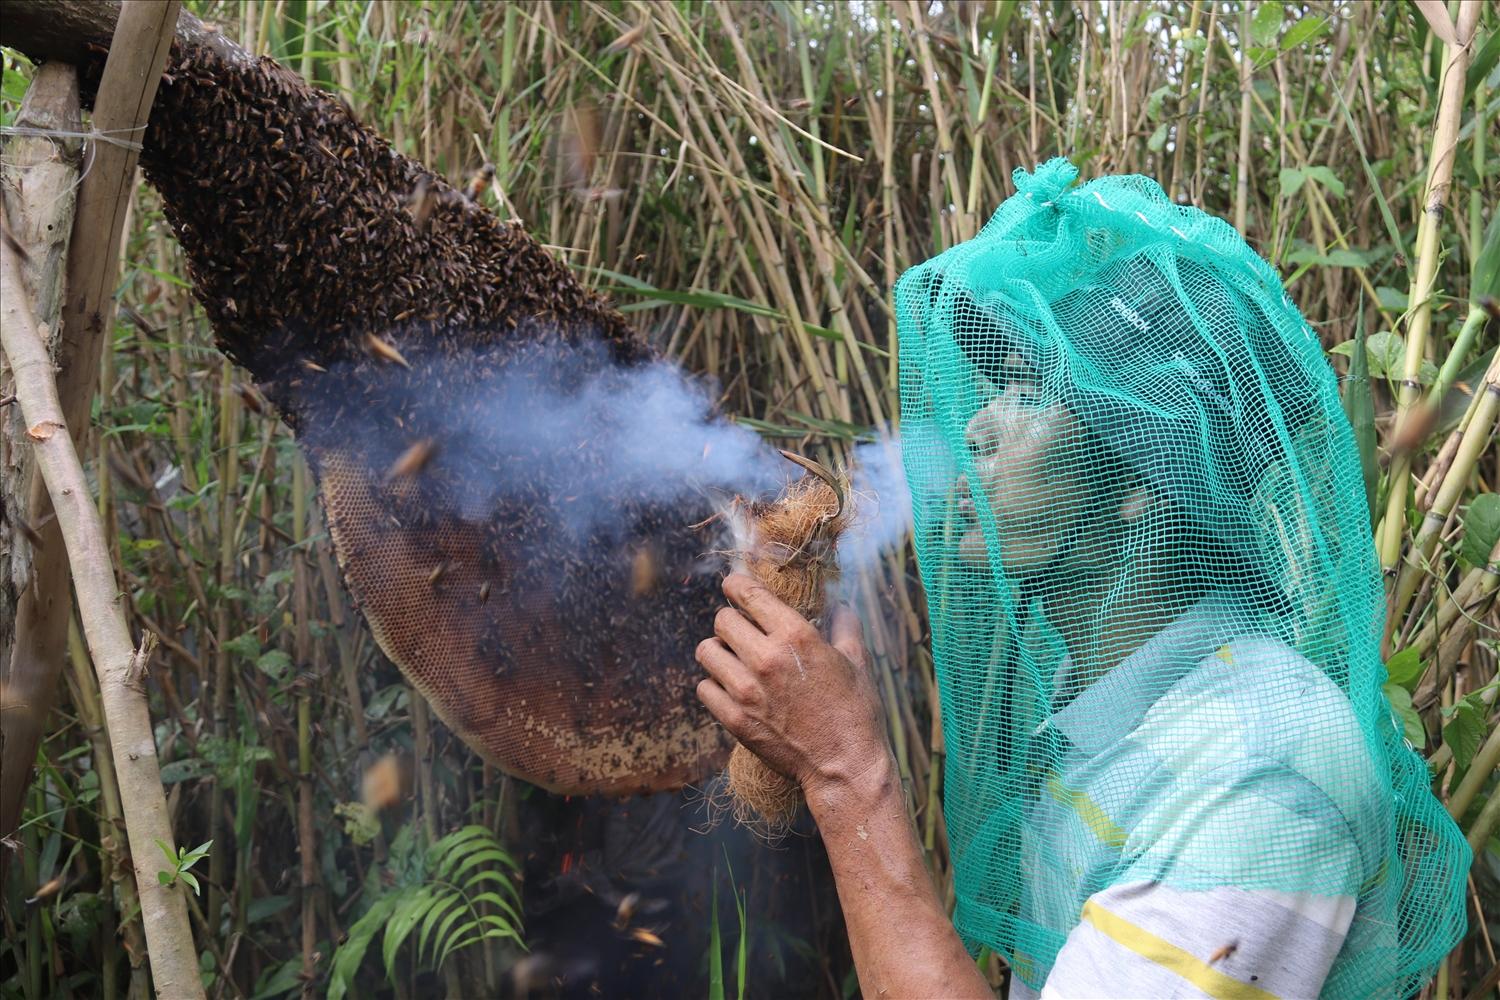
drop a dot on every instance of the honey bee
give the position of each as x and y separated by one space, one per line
385 350
413 460
479 182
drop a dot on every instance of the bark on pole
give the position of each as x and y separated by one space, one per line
142 39
121 668
40 178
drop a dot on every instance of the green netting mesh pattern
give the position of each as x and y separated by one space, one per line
1155 603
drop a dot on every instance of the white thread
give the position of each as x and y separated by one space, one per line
99 135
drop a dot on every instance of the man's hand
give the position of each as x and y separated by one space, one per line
805 706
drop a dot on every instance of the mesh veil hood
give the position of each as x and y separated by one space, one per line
1244 573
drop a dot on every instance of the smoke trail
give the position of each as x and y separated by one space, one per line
882 505
560 438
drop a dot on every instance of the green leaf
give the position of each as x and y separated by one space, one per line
350 954
274 663
1405 667
487 855
1481 523
1484 60
1291 179
191 880
1158 140
1266 23
1302 32
266 907
1465 730
1326 177
715 947
446 902
498 901
1386 353
1411 722
1336 257
1486 280
409 913
247 645
445 937
166 878
1391 299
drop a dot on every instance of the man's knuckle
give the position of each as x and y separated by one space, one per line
803 635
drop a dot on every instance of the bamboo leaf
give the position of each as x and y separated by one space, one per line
1481 529
1438 20
1484 60
1486 280
1304 31
1266 24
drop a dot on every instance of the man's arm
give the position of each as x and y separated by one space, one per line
903 942
809 709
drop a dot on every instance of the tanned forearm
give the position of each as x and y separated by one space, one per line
903 942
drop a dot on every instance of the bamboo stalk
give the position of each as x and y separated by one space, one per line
1470 448
121 668
1424 280
1242 167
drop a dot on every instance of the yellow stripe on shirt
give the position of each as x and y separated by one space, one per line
1088 811
1170 957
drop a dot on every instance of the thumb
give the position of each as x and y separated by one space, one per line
847 635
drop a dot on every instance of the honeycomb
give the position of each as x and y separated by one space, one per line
502 658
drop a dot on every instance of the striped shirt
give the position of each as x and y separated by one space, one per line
1190 843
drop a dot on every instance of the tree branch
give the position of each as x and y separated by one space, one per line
174 961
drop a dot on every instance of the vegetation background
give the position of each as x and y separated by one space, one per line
747 180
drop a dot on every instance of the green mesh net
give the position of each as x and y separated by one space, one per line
1156 610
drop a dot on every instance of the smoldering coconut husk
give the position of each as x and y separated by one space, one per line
790 545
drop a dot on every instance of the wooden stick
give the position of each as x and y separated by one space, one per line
121 668
40 176
142 39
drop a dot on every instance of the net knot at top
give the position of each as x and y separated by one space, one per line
1047 181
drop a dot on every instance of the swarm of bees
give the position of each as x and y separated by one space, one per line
370 301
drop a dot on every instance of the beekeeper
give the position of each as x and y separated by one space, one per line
1143 535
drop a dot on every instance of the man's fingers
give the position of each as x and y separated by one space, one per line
847 635
723 707
725 668
761 606
737 631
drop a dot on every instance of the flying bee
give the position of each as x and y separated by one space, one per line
479 182
421 202
413 460
645 570
385 350
646 937
628 905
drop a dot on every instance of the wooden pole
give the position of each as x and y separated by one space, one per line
121 668
40 177
142 39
